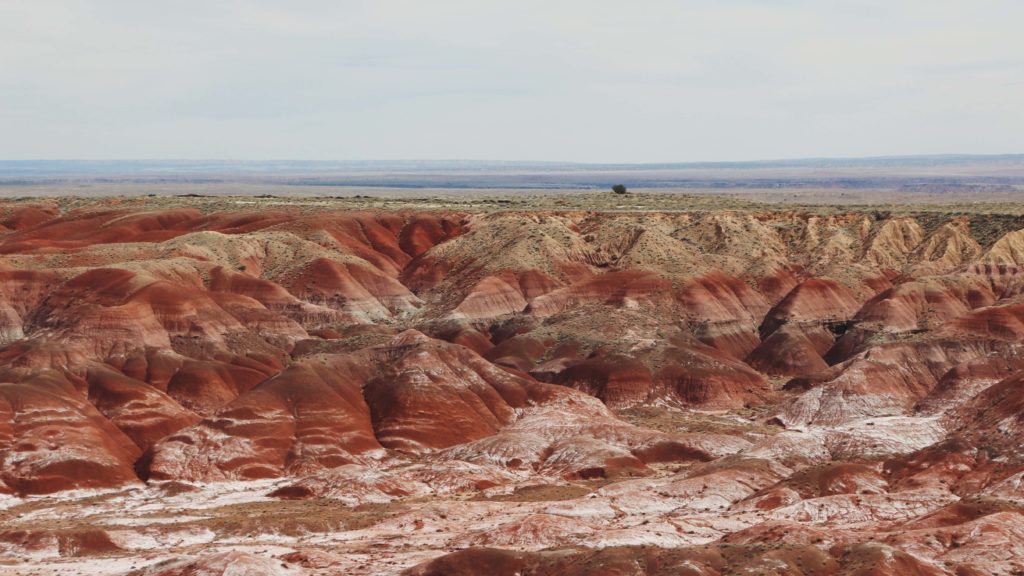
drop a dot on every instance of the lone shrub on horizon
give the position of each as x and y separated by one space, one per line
619 189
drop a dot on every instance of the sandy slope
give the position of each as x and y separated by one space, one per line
297 390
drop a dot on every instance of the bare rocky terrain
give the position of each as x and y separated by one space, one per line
558 383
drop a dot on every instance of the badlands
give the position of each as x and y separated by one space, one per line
196 386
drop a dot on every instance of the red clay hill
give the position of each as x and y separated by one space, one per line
707 393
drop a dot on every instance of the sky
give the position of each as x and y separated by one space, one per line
558 80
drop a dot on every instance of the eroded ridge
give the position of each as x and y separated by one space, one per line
325 391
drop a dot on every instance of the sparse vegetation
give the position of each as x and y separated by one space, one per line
819 201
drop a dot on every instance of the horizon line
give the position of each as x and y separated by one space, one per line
941 156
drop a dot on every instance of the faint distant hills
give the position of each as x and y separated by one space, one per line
879 172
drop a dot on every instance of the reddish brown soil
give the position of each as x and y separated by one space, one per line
708 393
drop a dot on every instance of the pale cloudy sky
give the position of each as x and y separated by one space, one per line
579 80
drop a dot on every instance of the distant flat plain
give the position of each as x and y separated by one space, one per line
952 183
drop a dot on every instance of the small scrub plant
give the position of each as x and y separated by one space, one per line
619 189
